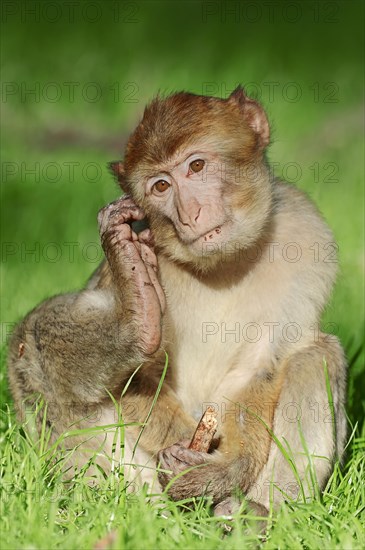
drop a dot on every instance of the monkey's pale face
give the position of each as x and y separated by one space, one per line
203 207
188 191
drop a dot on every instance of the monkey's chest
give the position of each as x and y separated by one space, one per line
214 347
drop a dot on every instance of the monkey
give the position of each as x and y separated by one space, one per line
217 301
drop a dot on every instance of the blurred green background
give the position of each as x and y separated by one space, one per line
75 79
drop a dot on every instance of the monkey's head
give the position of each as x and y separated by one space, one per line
196 165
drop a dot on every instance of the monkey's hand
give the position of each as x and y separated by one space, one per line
177 459
133 264
187 474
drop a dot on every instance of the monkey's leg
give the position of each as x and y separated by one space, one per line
311 428
260 462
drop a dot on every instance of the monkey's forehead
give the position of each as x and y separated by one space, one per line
178 122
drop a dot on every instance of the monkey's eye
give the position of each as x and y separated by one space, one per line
197 165
161 186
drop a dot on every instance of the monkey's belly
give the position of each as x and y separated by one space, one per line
203 378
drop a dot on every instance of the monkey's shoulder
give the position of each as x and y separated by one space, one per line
296 218
300 259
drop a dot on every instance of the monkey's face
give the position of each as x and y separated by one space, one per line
187 194
195 164
203 205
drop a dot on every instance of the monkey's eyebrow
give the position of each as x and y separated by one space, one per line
166 168
195 152
163 171
154 175
183 159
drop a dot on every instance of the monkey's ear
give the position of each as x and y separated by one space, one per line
117 169
254 115
238 96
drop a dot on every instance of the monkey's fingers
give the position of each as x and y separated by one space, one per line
150 261
126 202
178 458
115 241
187 457
119 212
146 237
147 299
159 291
147 254
164 478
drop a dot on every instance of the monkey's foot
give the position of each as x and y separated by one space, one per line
231 505
227 508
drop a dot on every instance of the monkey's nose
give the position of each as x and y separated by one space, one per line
198 214
189 219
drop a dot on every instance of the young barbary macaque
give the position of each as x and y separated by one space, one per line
229 279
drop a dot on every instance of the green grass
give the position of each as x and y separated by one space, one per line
171 46
39 510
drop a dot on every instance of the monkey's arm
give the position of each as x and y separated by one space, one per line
75 349
80 345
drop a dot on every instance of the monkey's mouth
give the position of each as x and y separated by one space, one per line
214 237
212 234
210 241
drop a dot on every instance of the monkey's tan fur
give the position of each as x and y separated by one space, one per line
238 319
